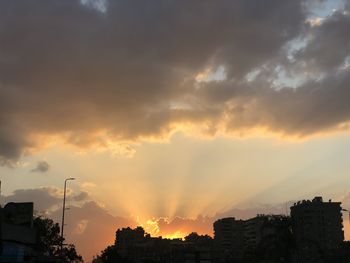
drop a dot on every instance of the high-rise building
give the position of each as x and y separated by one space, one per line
253 233
317 226
228 238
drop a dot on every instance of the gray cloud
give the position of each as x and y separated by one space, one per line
71 70
41 167
329 44
45 198
82 196
316 106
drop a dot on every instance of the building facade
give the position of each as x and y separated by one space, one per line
228 239
317 227
17 235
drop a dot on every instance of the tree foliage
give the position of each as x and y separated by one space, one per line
49 241
109 255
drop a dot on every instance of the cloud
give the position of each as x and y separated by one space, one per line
41 167
78 73
87 185
45 199
328 44
109 74
99 5
314 107
82 196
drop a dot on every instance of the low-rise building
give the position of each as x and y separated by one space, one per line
137 246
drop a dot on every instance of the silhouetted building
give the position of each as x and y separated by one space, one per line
239 240
317 227
228 239
252 232
255 229
202 245
135 245
18 236
127 238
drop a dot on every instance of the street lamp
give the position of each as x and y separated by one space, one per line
64 206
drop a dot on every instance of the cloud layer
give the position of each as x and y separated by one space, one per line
41 167
106 73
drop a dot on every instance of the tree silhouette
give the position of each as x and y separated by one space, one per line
49 241
109 255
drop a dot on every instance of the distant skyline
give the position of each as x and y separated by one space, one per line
172 113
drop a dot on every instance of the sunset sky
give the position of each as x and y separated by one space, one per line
172 113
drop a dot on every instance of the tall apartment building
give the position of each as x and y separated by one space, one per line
317 225
253 233
234 238
228 238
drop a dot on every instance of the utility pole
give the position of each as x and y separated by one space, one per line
64 207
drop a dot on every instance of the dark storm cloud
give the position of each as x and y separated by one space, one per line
41 167
329 44
74 70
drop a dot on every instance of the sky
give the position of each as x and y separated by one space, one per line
171 114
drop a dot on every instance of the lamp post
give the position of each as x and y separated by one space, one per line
64 207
